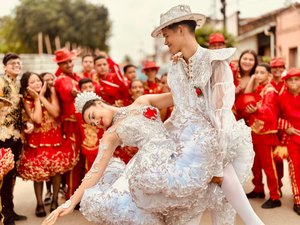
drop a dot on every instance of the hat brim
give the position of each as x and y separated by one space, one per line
71 56
154 67
197 17
289 76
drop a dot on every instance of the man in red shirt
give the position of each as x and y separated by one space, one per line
88 66
111 85
277 69
66 86
216 41
152 85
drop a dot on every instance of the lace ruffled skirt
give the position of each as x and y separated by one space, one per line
109 202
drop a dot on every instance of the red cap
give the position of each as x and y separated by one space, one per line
63 54
216 38
277 62
291 73
150 65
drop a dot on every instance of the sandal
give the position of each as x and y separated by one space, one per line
40 211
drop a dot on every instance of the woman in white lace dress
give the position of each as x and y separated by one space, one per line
109 191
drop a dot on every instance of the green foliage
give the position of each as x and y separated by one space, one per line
74 21
202 36
10 41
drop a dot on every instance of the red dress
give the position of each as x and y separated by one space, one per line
6 161
43 155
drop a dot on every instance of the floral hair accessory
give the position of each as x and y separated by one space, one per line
83 98
198 91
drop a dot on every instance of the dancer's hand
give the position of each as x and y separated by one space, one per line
217 180
60 211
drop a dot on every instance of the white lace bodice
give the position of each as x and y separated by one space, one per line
210 105
139 125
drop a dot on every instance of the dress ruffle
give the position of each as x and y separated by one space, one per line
109 202
6 161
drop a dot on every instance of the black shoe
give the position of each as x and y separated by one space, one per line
296 208
270 204
18 217
40 211
10 223
53 206
254 194
77 207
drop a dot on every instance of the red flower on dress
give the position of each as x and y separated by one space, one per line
150 113
198 91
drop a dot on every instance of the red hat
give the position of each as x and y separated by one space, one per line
216 38
150 65
291 73
63 54
277 62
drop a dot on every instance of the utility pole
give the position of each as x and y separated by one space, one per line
223 11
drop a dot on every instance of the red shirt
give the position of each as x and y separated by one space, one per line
289 105
63 86
278 86
152 87
268 111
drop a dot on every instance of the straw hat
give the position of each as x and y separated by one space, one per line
175 15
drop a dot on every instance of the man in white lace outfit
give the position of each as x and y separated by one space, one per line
202 86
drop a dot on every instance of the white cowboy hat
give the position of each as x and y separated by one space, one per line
175 15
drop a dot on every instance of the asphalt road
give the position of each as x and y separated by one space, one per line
25 204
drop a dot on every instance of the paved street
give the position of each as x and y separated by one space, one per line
25 204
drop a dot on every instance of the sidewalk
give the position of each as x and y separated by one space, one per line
25 204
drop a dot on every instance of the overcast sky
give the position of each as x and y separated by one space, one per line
133 20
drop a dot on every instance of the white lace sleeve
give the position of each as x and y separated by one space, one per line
108 144
221 92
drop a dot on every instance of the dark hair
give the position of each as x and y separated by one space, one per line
99 57
135 80
191 24
84 81
87 105
252 52
127 67
48 91
24 81
8 57
164 75
87 55
266 65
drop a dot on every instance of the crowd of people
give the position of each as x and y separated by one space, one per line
51 142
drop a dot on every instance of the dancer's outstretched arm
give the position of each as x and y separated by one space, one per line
157 100
107 146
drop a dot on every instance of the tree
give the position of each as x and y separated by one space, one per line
202 36
73 21
9 41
